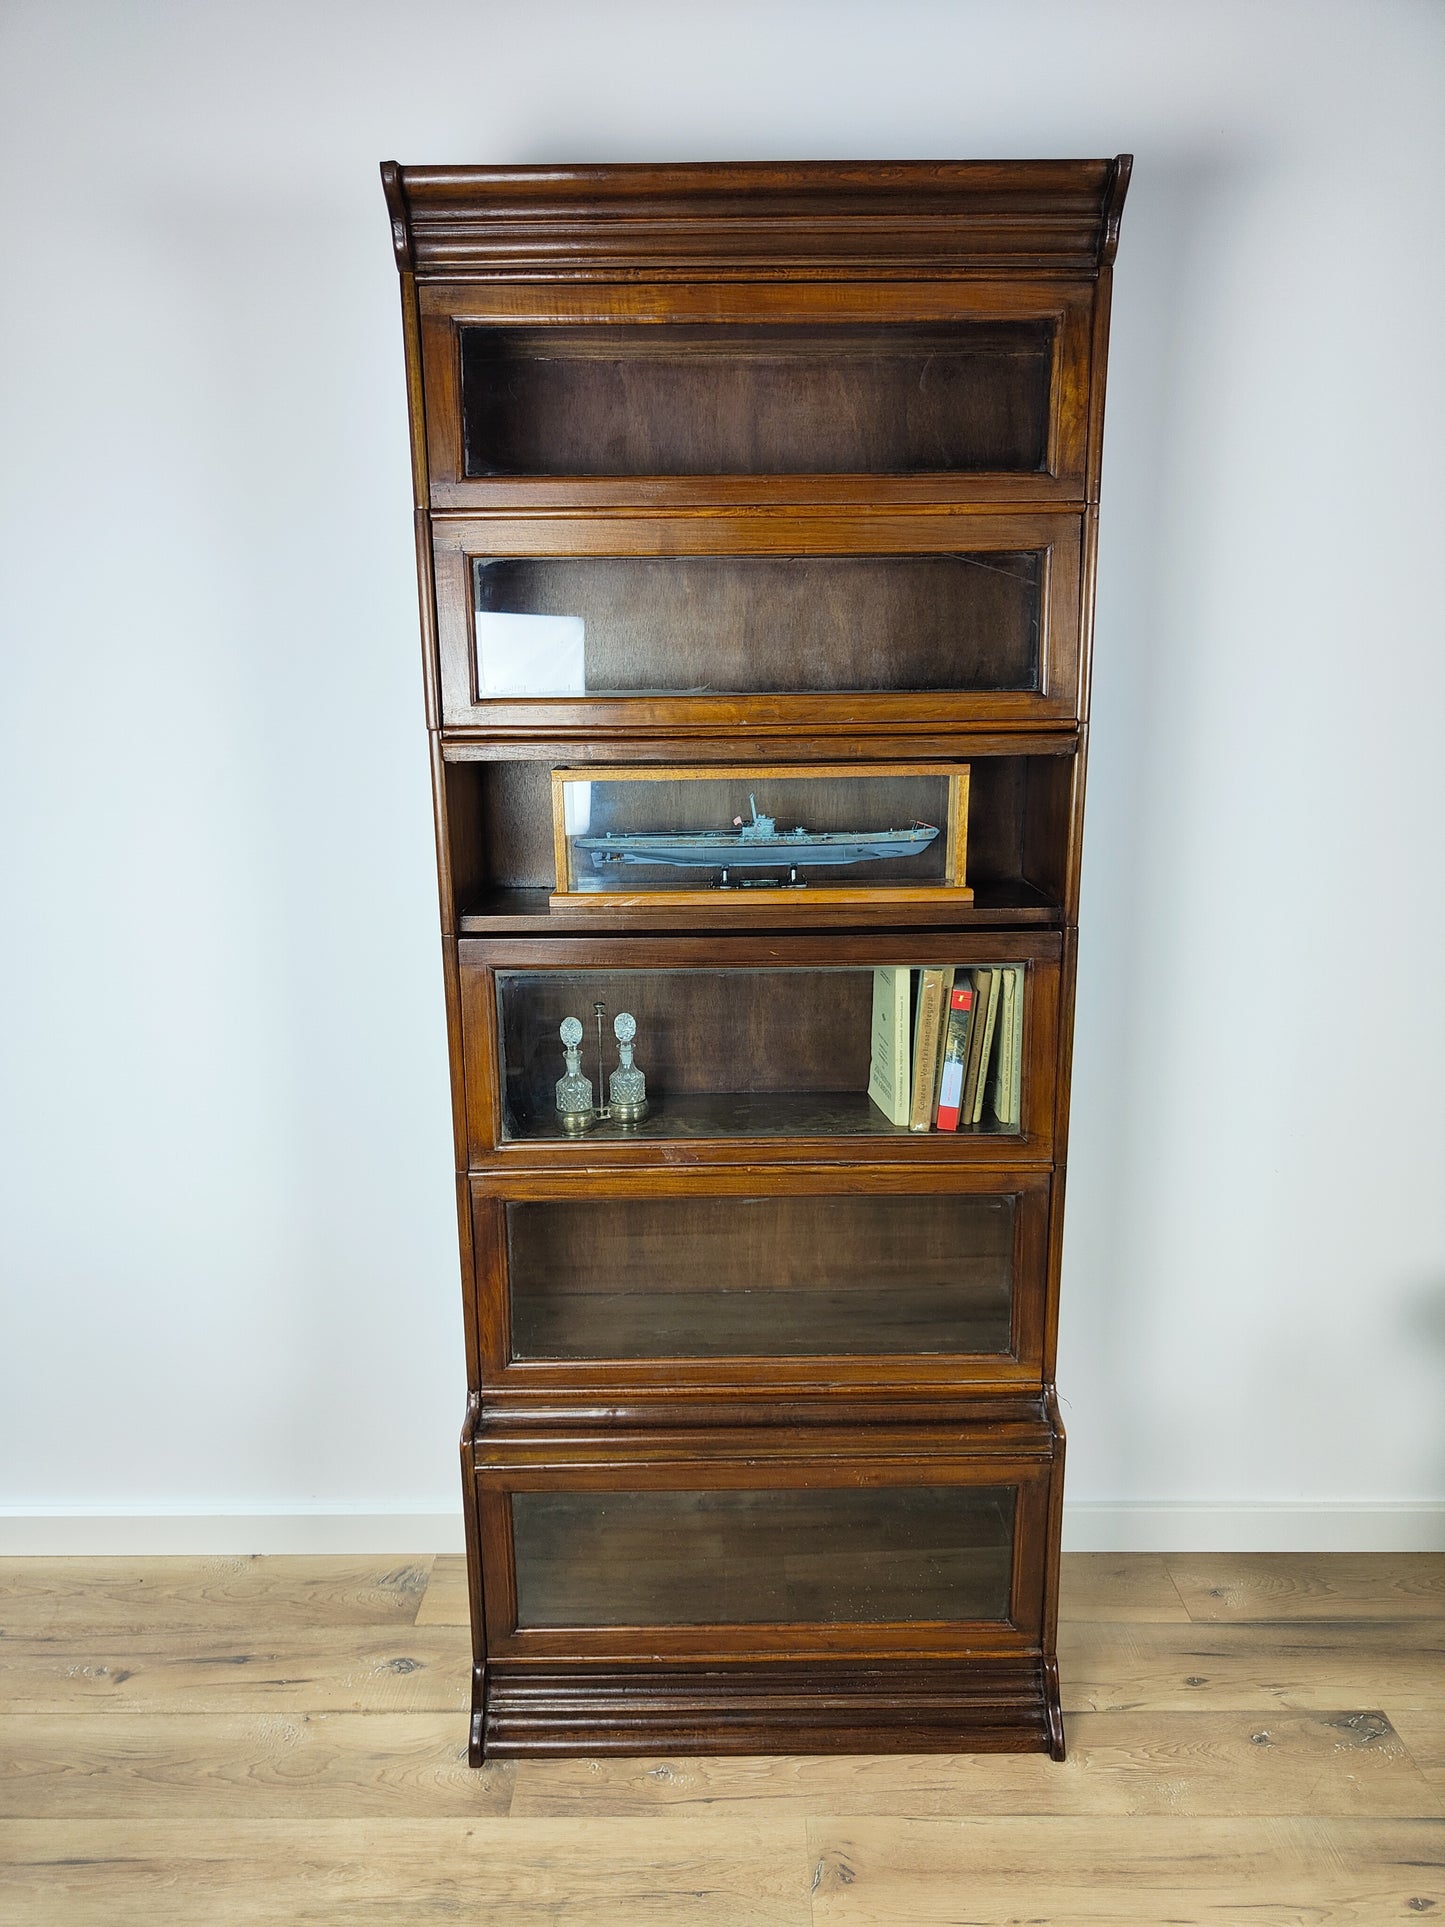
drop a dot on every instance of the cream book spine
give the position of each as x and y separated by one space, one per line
982 981
1016 1051
889 1067
990 1025
925 1048
999 1076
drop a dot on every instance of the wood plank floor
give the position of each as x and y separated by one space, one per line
1252 1739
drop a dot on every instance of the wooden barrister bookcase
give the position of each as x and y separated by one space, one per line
748 495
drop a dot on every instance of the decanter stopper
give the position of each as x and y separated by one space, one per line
574 1091
627 1087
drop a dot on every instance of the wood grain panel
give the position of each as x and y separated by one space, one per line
53 1598
1310 1666
1131 1586
1421 1725
274 1765
1305 1585
1098 1872
393 1873
300 1669
152 1798
445 1601
1220 1764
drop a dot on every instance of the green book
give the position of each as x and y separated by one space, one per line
1004 1089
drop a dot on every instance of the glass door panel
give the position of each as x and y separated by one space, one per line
830 1555
797 1276
757 398
694 625
764 1053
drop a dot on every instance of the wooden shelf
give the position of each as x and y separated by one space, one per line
767 1322
775 1115
998 906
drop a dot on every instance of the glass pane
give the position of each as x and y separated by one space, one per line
766 1277
762 1053
764 399
830 1555
756 624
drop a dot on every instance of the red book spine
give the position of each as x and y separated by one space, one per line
955 1060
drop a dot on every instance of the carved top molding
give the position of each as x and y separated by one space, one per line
813 220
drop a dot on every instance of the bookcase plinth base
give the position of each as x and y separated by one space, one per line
997 1706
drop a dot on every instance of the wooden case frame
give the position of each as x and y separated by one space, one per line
526 1386
953 890
983 1683
921 244
491 1147
459 541
447 307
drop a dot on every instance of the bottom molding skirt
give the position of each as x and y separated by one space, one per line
981 1706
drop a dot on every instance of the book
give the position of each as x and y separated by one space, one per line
1004 1086
982 998
985 1049
890 1064
1016 1050
945 992
926 1030
955 1057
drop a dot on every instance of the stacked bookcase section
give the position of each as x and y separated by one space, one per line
755 519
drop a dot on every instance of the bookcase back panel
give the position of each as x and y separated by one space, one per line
720 1277
756 399
881 1555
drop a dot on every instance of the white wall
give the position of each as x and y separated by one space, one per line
229 1268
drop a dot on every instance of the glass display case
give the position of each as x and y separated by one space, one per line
756 1047
853 832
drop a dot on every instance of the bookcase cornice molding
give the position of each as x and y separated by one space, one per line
700 220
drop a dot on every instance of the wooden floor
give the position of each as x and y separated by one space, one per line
1254 1741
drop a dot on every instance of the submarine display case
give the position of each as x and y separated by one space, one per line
900 830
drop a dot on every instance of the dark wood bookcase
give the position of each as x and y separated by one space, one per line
788 468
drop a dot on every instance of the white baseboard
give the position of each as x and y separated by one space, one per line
1148 1525
1090 1525
61 1533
